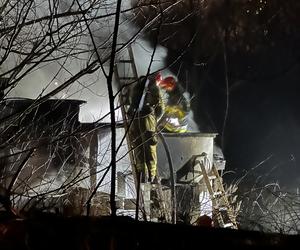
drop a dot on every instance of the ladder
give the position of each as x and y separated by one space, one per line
222 210
126 75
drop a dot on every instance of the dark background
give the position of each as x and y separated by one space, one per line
244 56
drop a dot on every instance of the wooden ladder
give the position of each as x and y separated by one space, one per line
223 214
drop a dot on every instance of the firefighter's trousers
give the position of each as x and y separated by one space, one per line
144 140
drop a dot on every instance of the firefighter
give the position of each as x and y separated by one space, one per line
177 107
145 109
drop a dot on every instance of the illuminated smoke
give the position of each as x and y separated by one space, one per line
92 87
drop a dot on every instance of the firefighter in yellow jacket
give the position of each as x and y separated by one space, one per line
145 109
175 118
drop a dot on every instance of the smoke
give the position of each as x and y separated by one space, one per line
92 87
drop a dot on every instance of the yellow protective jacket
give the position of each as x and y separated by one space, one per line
177 109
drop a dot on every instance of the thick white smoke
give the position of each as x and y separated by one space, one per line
92 87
